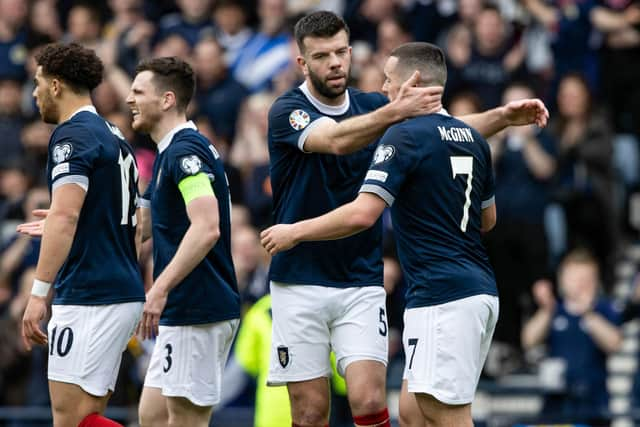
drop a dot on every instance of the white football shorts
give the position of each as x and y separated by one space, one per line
446 346
310 321
86 343
188 361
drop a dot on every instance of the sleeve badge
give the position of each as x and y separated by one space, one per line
299 119
191 164
62 152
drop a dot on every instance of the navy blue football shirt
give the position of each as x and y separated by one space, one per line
435 172
209 293
102 266
306 185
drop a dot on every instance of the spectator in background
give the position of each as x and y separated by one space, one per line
45 20
231 29
267 54
370 78
585 178
524 162
13 36
11 120
236 185
14 183
191 23
218 95
250 155
84 26
620 60
20 253
363 18
495 59
580 331
172 45
464 103
392 31
251 264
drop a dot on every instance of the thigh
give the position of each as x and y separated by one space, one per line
188 361
446 346
70 403
300 341
86 344
360 330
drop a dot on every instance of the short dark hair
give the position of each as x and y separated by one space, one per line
424 57
323 24
172 74
77 66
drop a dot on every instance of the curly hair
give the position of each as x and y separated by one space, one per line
77 66
171 74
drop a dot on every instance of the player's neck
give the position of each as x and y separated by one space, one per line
165 125
71 104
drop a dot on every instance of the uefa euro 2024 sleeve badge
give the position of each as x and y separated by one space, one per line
299 119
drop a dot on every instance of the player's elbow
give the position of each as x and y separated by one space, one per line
361 220
66 219
210 233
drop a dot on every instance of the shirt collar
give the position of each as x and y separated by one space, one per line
443 112
166 140
88 108
329 110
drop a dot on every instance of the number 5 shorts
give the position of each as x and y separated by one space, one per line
446 346
188 361
310 321
86 343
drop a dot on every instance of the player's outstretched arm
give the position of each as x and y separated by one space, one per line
357 132
201 236
342 222
515 113
57 237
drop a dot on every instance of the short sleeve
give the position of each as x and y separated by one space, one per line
394 158
291 120
73 155
144 201
188 158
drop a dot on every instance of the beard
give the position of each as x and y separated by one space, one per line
49 111
146 122
326 90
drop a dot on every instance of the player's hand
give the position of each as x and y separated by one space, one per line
34 228
413 100
155 303
34 313
526 112
278 238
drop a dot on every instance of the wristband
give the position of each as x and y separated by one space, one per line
40 288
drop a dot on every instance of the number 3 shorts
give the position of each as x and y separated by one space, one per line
86 343
188 361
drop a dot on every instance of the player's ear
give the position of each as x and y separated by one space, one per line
302 63
168 100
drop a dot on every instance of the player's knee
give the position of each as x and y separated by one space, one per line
309 411
365 401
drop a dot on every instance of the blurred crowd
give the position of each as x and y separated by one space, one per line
571 188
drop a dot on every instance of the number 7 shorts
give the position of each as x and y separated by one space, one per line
188 361
310 321
86 343
446 345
